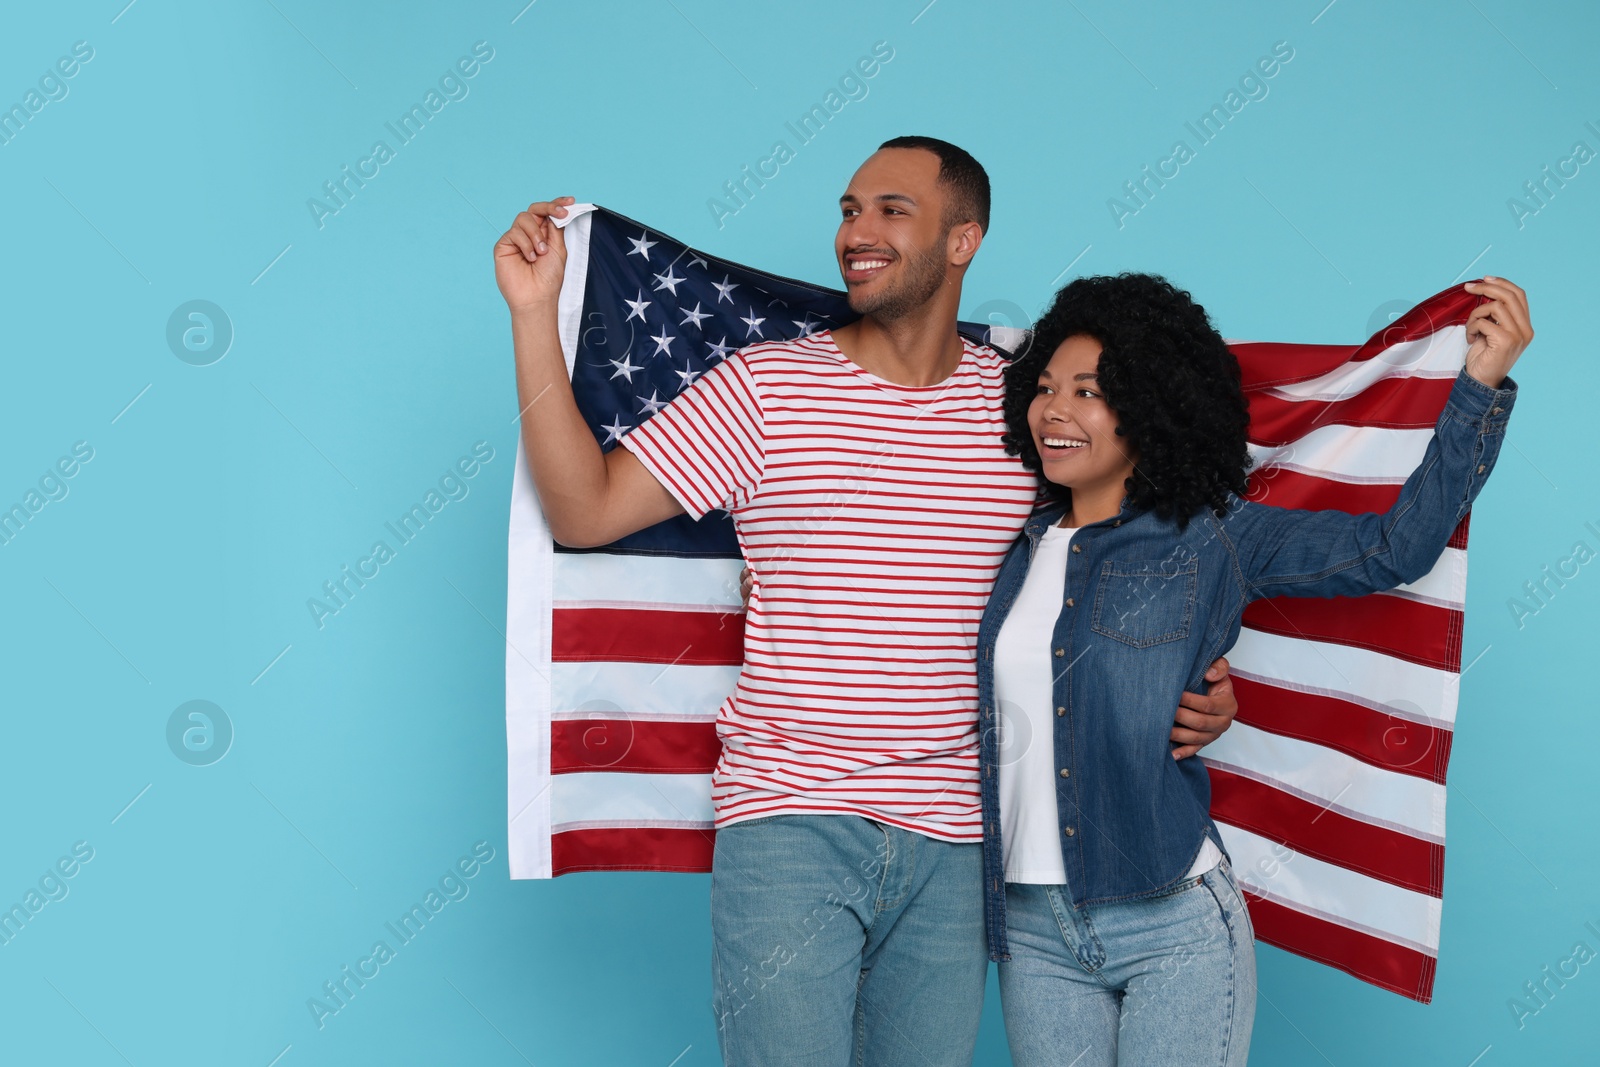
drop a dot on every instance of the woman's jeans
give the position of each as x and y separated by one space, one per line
1168 980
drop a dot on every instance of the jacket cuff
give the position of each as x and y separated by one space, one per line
1472 401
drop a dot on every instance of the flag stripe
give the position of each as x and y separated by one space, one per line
579 798
1362 455
1284 487
1380 682
1350 898
635 690
631 848
1397 968
642 745
1327 834
1410 629
617 579
1405 746
1328 778
696 638
1397 403
1268 363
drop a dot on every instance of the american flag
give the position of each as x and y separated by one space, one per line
1329 789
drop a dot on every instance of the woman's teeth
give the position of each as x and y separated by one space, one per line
1062 442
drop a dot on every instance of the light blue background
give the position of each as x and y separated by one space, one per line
375 351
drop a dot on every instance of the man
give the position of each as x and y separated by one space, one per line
873 501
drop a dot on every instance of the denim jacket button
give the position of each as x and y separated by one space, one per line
1071 603
1061 711
1070 831
1061 652
1065 773
1077 548
1482 468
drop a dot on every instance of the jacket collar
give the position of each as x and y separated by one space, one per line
1050 514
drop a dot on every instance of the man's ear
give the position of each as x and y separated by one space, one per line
964 242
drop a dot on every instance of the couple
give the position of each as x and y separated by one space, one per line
915 581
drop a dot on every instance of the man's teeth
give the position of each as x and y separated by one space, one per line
1063 442
869 264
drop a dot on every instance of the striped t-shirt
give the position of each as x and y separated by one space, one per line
873 517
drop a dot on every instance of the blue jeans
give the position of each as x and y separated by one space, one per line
841 941
1167 980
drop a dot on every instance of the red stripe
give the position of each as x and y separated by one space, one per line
1393 625
631 848
647 635
1393 403
1267 363
1317 830
1264 364
635 745
1449 307
1284 488
1397 968
1385 741
1291 489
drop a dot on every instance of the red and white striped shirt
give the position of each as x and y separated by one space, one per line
873 517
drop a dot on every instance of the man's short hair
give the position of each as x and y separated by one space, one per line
965 178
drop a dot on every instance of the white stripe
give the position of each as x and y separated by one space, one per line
640 690
617 580
630 824
1330 778
1445 586
621 799
1269 869
1440 355
1364 455
529 566
1383 683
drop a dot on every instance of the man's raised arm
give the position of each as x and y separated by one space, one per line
589 497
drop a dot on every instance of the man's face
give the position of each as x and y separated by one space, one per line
892 239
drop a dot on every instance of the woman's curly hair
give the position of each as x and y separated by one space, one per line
1166 373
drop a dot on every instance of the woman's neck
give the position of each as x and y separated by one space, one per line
1091 504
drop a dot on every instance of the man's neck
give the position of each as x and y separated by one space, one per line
914 350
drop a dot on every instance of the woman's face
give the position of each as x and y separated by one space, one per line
1073 427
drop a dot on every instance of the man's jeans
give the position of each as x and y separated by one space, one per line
838 940
1167 980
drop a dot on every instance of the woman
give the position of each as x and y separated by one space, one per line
1122 936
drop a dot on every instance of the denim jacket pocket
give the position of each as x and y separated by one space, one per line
1145 602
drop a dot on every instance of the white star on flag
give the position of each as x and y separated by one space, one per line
614 431
688 376
662 342
695 315
725 289
753 324
639 306
807 328
641 247
625 368
720 350
654 404
668 281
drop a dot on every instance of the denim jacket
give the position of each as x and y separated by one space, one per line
1147 608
